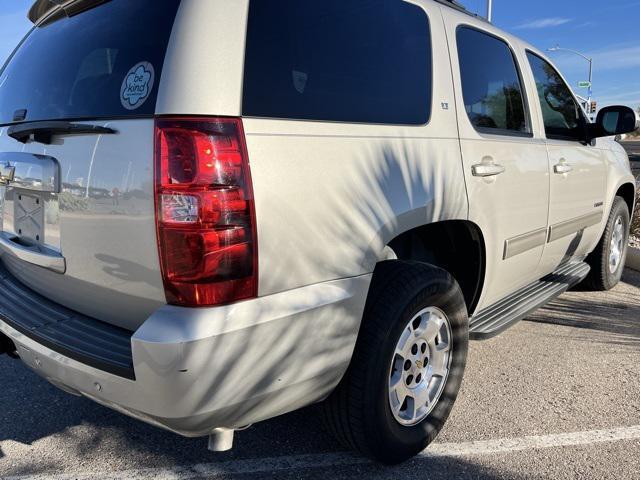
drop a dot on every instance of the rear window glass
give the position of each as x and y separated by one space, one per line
103 62
365 61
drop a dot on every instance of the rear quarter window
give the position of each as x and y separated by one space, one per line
363 61
76 67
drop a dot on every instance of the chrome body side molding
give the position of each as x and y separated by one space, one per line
561 230
522 243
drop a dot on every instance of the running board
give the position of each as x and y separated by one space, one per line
495 319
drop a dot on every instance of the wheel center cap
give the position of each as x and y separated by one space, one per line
419 364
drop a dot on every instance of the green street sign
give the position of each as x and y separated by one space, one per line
584 84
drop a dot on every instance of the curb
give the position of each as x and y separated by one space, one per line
633 258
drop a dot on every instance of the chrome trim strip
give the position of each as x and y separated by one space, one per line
564 229
522 243
30 171
36 255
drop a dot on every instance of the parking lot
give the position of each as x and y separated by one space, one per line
556 396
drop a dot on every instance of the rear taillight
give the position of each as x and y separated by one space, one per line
204 211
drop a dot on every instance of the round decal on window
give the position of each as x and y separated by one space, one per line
137 85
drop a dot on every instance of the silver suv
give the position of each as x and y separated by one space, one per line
215 212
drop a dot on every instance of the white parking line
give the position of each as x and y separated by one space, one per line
294 462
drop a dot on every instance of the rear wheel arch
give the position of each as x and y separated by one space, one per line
456 246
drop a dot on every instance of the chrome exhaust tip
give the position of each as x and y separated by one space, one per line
221 440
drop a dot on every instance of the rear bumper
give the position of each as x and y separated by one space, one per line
200 369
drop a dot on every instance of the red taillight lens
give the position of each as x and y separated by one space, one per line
204 211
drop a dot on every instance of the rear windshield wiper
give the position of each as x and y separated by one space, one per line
52 10
42 132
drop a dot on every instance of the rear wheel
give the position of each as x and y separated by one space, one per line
608 259
407 366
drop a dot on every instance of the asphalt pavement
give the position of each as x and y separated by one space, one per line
556 396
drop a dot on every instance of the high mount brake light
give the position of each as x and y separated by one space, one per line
205 213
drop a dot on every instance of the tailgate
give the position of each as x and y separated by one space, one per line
101 223
78 215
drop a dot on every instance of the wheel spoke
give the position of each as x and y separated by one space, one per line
397 397
410 412
422 324
401 347
433 328
443 346
396 371
438 365
421 396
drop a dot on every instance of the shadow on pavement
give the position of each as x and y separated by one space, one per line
616 313
101 440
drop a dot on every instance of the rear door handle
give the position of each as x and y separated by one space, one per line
562 168
487 170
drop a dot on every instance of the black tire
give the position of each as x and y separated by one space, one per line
358 411
600 277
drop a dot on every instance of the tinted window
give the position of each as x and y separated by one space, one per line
491 84
363 61
76 67
562 116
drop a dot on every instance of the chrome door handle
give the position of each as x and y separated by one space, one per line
487 170
562 168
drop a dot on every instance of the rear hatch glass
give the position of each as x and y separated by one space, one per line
101 63
95 221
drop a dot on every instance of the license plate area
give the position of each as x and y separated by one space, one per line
29 199
28 217
31 218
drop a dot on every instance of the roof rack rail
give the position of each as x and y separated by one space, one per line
453 3
458 6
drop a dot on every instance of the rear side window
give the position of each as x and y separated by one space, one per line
491 85
365 61
101 63
562 115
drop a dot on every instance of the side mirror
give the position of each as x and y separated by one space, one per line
613 121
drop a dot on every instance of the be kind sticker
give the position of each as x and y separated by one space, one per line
137 85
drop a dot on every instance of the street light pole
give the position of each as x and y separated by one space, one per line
588 59
590 91
489 10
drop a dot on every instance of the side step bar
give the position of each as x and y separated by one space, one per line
493 320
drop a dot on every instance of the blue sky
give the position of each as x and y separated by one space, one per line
610 35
